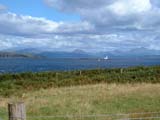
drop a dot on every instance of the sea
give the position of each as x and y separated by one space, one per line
18 65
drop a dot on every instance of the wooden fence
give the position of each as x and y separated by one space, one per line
16 111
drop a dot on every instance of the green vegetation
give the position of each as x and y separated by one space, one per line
17 84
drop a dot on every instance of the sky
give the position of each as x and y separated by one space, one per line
90 25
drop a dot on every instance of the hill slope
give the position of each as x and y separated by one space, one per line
16 55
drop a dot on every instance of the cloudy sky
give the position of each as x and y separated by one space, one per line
91 25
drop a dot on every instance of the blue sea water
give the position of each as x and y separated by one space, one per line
14 65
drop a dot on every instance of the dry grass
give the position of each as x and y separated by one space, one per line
91 99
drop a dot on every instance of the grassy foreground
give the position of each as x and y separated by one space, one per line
89 99
85 92
17 84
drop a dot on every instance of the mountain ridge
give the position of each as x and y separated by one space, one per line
4 54
78 53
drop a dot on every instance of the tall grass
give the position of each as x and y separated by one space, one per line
89 100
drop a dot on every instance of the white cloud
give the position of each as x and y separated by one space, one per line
113 13
20 25
26 25
77 5
89 42
126 7
106 25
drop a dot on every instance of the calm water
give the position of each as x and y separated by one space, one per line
36 65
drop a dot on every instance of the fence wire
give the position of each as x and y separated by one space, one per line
127 116
142 118
120 116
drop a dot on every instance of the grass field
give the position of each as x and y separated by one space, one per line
89 100
80 93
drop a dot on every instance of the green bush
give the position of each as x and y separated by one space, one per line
19 83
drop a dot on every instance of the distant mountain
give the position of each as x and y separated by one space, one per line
62 54
16 55
78 53
24 50
29 50
137 52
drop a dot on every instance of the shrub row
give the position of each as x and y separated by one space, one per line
17 84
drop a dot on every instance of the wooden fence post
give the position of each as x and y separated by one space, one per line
80 72
121 70
16 111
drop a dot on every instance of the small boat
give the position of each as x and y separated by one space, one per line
106 58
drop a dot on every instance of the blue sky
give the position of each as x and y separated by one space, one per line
38 8
92 25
